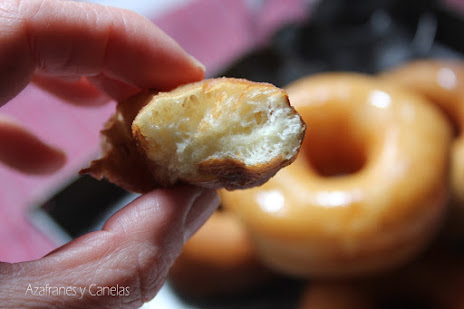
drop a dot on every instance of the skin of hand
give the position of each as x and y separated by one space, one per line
90 53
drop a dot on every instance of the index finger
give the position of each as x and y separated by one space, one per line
67 38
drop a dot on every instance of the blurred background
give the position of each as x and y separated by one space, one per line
262 40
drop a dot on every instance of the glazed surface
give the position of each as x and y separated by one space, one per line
368 189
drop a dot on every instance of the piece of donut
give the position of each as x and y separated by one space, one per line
442 83
217 133
218 261
368 190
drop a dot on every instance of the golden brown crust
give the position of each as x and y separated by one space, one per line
121 161
157 173
232 175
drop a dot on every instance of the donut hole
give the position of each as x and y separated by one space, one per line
335 148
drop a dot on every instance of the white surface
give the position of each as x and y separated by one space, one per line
147 8
166 299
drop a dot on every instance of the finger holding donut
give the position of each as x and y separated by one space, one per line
368 190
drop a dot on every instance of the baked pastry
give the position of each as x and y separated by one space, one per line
217 133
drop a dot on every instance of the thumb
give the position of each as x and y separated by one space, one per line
121 266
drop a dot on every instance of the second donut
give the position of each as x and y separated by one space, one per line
368 189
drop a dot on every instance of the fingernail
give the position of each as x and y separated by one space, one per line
203 207
197 63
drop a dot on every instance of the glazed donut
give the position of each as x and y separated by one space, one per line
368 189
218 260
435 281
442 83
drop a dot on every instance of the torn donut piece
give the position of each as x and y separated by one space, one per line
120 161
224 132
217 133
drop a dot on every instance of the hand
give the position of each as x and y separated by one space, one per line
90 53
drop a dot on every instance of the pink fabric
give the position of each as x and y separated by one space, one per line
215 31
456 5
